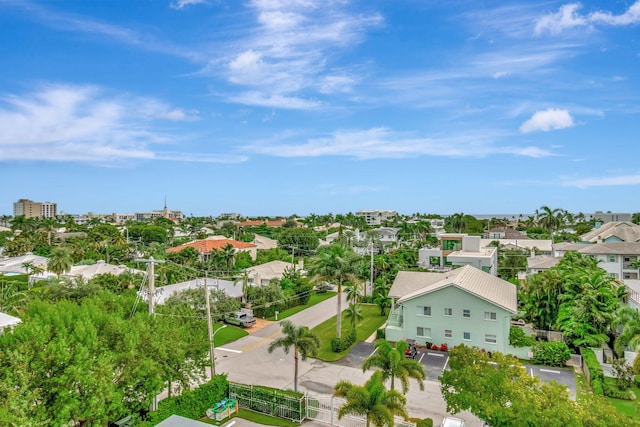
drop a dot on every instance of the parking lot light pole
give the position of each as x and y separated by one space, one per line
213 347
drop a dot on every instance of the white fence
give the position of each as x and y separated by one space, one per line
325 410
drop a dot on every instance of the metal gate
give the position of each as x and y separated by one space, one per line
325 410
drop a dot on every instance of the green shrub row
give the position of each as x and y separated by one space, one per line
271 401
344 342
289 302
596 375
427 422
191 403
552 353
610 390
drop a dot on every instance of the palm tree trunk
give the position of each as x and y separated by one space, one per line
295 369
339 314
393 380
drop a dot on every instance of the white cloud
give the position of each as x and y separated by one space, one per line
275 101
82 123
568 17
381 142
547 120
290 51
181 4
612 181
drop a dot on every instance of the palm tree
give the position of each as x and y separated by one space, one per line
354 313
353 293
550 219
334 264
304 342
629 320
372 400
59 260
457 222
393 364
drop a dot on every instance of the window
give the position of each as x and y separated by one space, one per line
612 258
448 311
424 311
613 275
448 333
466 336
423 332
466 313
490 315
490 339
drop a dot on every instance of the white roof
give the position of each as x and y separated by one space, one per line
412 284
14 264
269 270
233 290
100 267
263 242
543 245
6 320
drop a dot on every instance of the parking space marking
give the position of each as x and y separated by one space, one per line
373 352
421 356
436 354
445 363
228 349
550 371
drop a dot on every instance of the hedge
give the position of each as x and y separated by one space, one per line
191 403
517 337
596 375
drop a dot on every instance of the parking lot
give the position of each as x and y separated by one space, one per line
434 362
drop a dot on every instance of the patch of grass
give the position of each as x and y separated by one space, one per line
255 417
326 331
630 408
313 300
228 334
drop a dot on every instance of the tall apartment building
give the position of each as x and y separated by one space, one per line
31 209
375 217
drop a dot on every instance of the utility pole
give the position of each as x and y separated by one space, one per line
209 325
371 277
152 302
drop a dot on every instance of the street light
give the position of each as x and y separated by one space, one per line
213 347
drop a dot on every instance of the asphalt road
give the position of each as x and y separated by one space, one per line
248 361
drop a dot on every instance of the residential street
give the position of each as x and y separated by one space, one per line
248 361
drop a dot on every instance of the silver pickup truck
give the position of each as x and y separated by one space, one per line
241 319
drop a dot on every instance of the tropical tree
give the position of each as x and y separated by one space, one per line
501 392
550 219
371 400
354 313
335 264
628 320
304 342
393 364
59 260
456 222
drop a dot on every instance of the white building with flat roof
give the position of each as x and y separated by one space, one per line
375 217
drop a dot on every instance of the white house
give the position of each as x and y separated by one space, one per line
7 321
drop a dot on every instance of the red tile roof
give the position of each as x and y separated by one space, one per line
206 246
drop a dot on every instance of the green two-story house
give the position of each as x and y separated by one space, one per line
462 306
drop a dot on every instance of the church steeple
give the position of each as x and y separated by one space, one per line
165 211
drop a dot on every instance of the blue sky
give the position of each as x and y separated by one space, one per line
279 107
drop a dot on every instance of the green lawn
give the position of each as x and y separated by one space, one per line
228 334
630 408
326 331
626 407
313 300
255 417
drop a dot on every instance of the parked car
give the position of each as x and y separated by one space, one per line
241 319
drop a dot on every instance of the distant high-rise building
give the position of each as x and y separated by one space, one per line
31 209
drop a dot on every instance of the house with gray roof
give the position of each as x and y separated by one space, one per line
462 306
616 231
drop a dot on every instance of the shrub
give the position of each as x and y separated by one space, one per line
344 342
191 403
518 338
611 390
552 353
380 334
427 422
596 375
